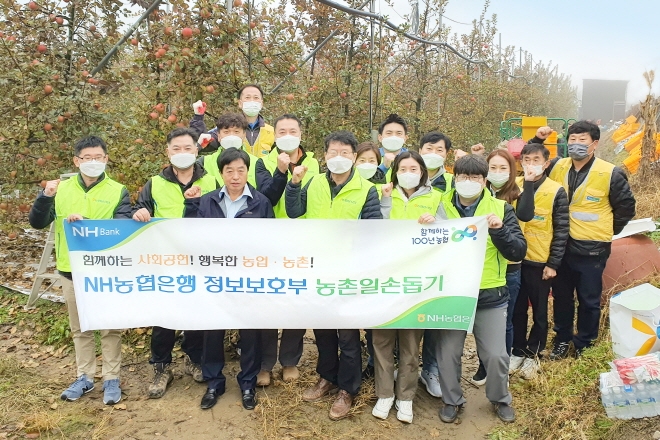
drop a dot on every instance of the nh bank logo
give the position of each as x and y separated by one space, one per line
86 231
468 232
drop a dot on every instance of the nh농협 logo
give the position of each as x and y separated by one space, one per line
469 232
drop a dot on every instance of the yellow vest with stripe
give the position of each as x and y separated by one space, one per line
494 271
590 212
100 202
168 197
211 167
270 162
262 145
539 231
414 208
346 205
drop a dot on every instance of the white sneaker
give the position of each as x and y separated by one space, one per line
382 408
432 383
529 368
404 411
515 362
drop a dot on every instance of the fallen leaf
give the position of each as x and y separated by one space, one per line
53 406
187 387
121 406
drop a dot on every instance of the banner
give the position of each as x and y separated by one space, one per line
198 274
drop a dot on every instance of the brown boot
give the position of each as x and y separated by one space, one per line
290 374
342 406
263 378
318 391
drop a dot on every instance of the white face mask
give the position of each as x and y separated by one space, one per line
231 142
498 179
251 108
367 170
537 169
183 161
408 180
339 164
433 161
392 143
288 143
468 189
92 169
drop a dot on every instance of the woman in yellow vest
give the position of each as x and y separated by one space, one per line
366 163
408 197
163 196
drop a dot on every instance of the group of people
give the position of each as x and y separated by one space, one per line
551 227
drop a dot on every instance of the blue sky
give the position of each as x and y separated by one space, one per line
589 39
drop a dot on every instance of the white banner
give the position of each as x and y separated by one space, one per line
195 274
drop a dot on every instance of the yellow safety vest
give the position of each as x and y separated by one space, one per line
414 208
346 205
169 199
539 231
590 212
494 271
211 167
262 145
100 202
270 162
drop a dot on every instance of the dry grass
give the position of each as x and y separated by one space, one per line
647 194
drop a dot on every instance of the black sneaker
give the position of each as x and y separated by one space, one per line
560 351
368 372
449 413
505 412
479 377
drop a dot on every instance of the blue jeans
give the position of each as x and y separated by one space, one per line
429 343
513 283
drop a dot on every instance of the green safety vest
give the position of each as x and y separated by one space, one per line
414 208
168 197
346 205
211 167
100 202
494 271
270 162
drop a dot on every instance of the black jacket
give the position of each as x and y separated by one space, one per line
146 199
208 206
296 198
560 227
43 213
621 200
511 243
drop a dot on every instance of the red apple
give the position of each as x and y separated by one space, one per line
134 41
41 161
153 115
33 6
186 33
48 89
267 61
59 20
290 97
48 127
42 48
171 118
168 31
210 89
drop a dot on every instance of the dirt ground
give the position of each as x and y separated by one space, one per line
33 374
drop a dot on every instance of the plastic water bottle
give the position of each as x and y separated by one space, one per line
631 397
622 408
646 403
654 391
608 402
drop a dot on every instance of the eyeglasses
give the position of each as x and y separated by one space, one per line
91 158
333 153
463 178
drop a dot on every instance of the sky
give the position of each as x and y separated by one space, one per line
588 39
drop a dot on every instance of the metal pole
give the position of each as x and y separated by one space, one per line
249 18
499 57
128 33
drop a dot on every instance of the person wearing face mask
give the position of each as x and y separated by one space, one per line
163 196
338 194
259 136
274 171
600 205
90 194
366 163
471 198
392 135
231 129
409 196
434 148
546 236
272 174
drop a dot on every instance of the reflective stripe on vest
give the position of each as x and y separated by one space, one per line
494 271
590 211
539 231
168 197
414 208
100 202
347 204
211 167
270 162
